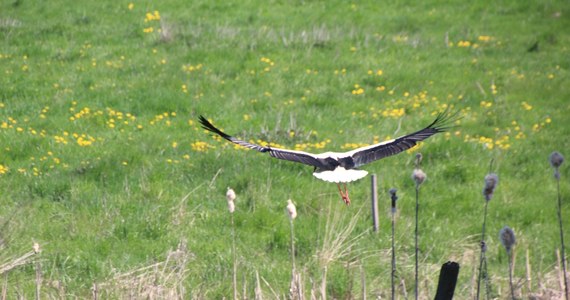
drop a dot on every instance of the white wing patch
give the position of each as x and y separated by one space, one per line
340 174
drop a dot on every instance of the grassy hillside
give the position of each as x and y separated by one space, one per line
104 165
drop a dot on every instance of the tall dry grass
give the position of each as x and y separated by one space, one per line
12 263
161 280
338 243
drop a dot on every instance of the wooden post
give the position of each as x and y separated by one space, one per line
374 203
447 281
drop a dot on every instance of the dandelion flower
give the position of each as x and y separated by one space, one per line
230 195
291 210
507 237
491 181
3 169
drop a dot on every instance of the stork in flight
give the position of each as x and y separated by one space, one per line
342 167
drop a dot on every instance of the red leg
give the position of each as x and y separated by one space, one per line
340 190
346 198
343 195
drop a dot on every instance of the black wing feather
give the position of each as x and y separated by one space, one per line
365 155
208 126
297 156
290 155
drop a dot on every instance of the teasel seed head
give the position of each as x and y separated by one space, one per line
419 176
491 181
231 206
291 210
507 237
394 198
556 160
36 248
419 158
230 194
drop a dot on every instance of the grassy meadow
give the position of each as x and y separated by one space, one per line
104 166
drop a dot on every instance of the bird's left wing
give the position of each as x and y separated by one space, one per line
285 154
208 126
368 154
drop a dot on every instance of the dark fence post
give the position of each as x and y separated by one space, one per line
374 203
447 281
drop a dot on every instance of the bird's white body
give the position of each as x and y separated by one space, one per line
340 174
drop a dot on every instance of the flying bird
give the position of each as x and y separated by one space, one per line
343 167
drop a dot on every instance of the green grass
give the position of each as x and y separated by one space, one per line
284 72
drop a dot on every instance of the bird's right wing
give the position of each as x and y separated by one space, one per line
365 155
297 156
285 154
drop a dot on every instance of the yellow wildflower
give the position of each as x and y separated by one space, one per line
357 90
85 140
200 146
464 44
154 16
526 106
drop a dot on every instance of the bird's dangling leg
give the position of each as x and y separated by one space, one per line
346 198
344 194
